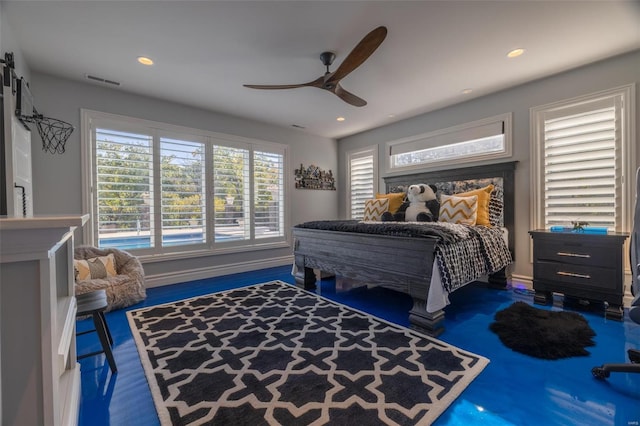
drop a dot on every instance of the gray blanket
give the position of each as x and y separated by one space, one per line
464 253
398 229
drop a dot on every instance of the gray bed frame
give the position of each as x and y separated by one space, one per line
399 263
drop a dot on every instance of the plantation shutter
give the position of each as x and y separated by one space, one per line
582 165
183 199
268 180
124 188
231 192
361 181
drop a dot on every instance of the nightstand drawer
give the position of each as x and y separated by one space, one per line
576 253
580 275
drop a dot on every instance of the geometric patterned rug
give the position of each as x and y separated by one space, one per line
274 354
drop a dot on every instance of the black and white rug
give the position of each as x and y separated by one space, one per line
273 354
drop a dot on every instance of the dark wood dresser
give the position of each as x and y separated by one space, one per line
580 265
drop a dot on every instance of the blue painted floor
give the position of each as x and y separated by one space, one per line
514 389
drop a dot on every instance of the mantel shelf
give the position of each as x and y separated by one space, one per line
42 222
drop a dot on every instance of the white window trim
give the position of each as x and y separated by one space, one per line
629 165
353 154
87 117
506 118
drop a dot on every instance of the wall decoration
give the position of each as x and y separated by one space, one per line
313 177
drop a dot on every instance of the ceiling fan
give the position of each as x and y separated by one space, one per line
330 81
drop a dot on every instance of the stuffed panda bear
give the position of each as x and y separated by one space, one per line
421 206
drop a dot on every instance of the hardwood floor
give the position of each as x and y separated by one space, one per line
513 390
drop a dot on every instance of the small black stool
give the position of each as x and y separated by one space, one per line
94 303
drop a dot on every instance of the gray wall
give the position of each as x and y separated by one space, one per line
607 74
9 44
57 177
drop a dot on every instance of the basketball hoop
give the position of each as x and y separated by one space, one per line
54 133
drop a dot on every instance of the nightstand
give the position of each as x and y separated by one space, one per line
581 265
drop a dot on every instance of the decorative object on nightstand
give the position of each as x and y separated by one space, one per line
578 225
583 265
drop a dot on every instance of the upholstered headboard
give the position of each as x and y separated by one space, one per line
452 181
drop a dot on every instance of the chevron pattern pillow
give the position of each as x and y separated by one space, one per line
454 209
96 267
484 196
373 209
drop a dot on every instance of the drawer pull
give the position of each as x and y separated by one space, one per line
571 274
562 253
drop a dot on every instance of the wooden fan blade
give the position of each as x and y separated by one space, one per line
349 97
315 83
359 54
273 87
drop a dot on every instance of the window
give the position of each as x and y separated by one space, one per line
362 180
480 140
163 190
123 188
231 193
582 161
182 195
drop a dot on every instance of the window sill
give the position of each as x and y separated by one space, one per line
190 254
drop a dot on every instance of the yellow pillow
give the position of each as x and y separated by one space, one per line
96 267
463 210
395 200
484 196
373 209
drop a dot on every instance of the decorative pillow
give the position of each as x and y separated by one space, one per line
395 200
496 206
95 267
484 195
373 209
454 209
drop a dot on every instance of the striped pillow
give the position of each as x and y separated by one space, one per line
463 210
373 209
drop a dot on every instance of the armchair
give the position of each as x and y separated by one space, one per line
123 280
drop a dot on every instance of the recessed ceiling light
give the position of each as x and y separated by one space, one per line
391 115
340 119
467 91
515 53
145 61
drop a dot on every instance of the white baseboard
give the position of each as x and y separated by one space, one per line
523 280
158 280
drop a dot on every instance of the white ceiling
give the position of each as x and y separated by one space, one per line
204 51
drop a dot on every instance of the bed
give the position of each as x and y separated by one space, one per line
409 257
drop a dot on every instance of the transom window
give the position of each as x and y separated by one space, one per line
158 190
479 140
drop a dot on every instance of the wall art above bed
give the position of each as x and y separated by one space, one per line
313 177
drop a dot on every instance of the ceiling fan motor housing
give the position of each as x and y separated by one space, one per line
327 58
